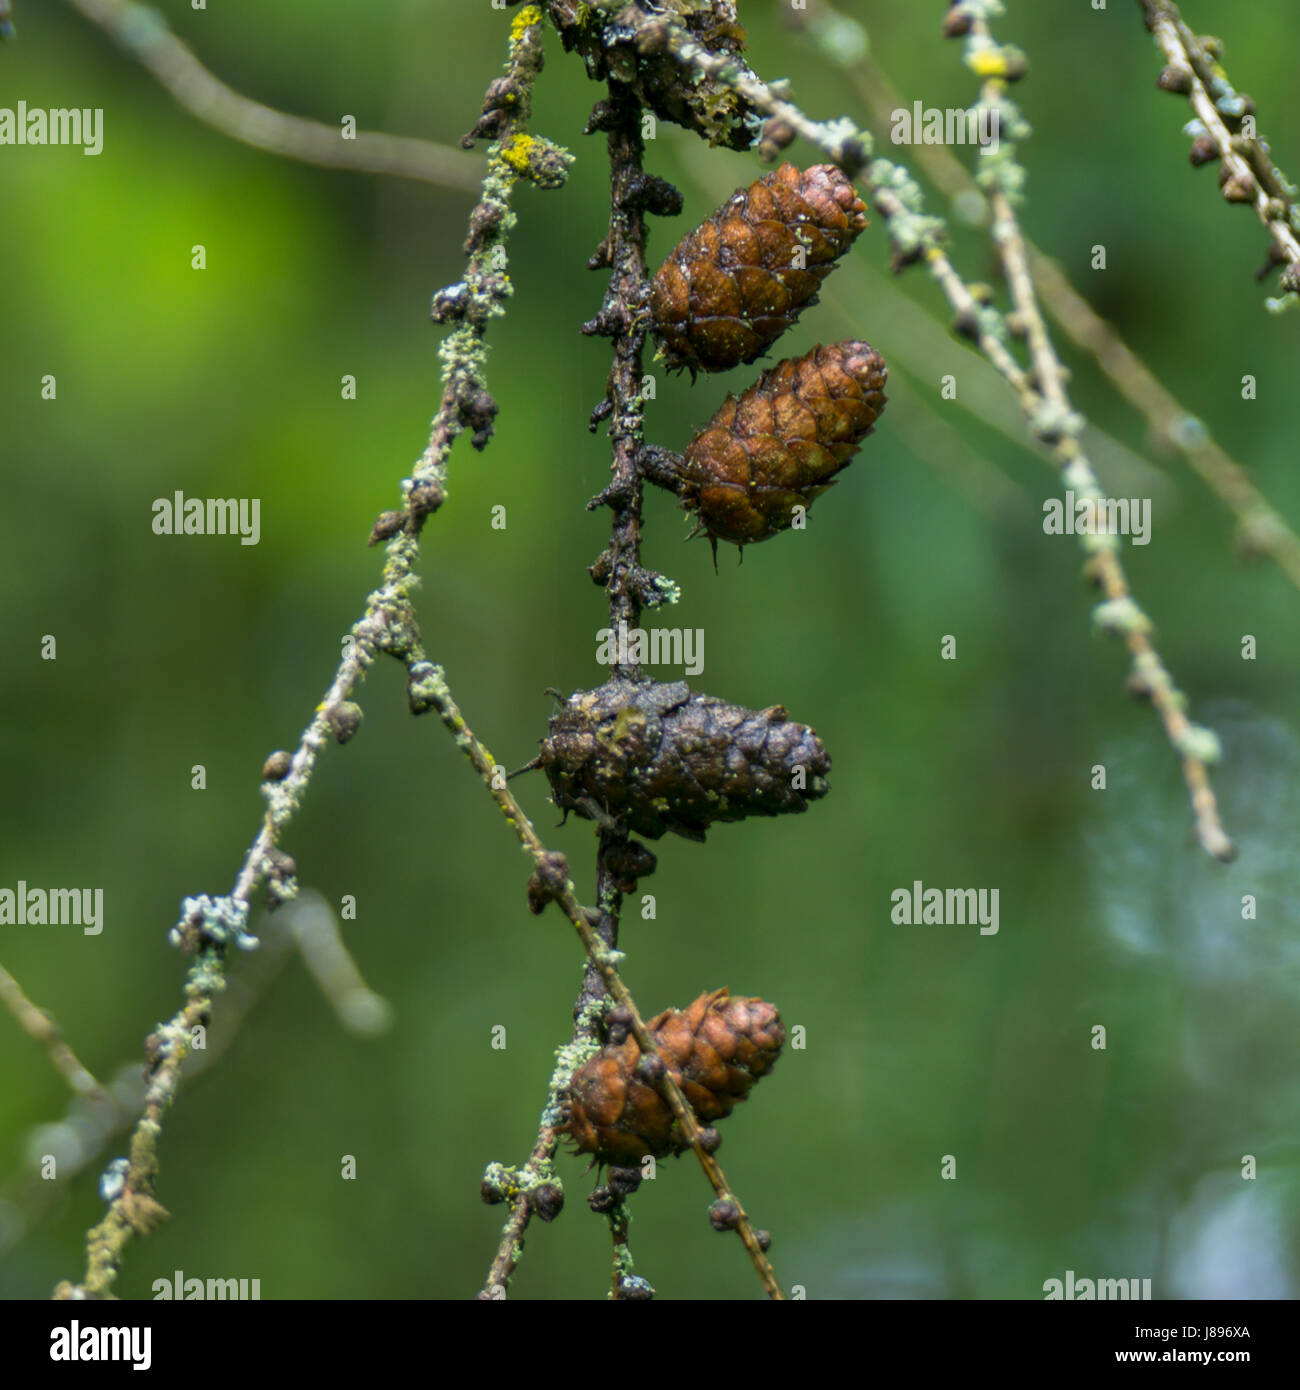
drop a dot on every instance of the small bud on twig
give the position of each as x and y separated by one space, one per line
547 1201
1175 79
547 881
724 1214
344 719
956 23
387 525
618 1024
276 767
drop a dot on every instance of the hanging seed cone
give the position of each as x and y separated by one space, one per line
780 444
737 282
715 1049
664 757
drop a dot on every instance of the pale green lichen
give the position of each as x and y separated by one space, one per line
1199 743
221 921
1121 616
535 158
662 591
910 228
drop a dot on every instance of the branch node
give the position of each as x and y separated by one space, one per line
548 881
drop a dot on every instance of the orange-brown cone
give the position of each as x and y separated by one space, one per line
715 1049
779 445
736 283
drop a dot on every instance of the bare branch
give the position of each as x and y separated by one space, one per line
430 690
208 926
1195 746
621 319
90 1124
1262 530
1248 174
40 1025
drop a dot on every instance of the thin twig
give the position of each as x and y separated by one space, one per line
1249 174
209 926
840 140
918 236
142 31
129 1184
621 319
624 1285
430 690
535 1189
1262 529
40 1025
1195 746
624 319
90 1124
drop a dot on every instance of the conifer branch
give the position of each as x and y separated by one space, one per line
624 318
1261 529
91 1123
40 1025
534 1189
208 926
918 236
624 1285
551 883
1247 173
1058 425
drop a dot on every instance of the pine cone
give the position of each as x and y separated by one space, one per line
737 282
662 757
780 444
715 1049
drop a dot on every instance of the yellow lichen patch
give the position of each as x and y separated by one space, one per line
629 722
529 15
988 62
517 152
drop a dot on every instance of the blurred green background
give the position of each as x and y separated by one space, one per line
921 1041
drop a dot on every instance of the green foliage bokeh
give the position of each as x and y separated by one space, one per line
921 1041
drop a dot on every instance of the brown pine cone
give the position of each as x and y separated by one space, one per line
780 444
662 757
737 282
715 1049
